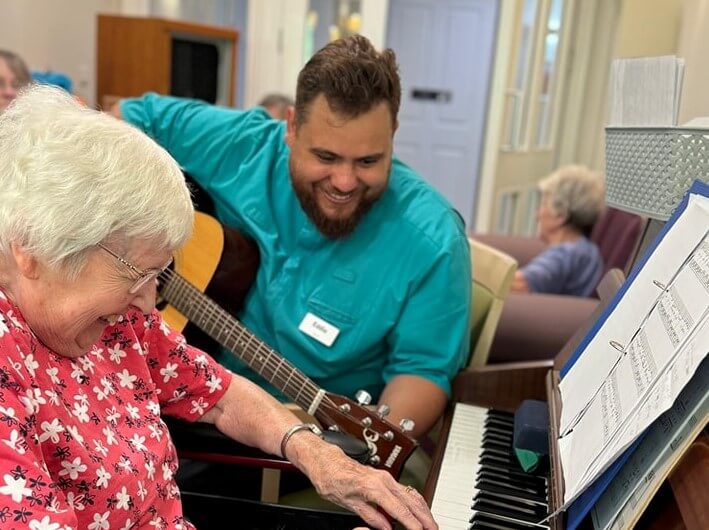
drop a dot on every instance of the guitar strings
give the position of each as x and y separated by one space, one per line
216 316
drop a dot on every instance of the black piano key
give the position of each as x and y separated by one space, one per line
532 482
492 520
501 414
509 489
485 502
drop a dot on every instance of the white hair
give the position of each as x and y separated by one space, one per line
71 177
576 193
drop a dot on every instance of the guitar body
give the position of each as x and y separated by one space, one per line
206 288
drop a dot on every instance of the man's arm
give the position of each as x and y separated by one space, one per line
416 398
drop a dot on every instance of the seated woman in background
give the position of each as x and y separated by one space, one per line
14 74
91 211
572 200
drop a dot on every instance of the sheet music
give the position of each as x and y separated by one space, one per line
645 91
630 491
642 356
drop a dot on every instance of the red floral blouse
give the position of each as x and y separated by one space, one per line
82 444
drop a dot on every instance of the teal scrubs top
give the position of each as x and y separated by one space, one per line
397 288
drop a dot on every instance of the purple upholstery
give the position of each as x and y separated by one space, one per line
616 233
537 326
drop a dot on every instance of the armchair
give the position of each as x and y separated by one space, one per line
536 326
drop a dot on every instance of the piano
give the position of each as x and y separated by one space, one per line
476 483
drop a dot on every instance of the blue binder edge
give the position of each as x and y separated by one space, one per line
581 506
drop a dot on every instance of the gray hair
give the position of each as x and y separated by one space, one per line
576 193
71 177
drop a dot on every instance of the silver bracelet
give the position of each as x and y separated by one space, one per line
298 427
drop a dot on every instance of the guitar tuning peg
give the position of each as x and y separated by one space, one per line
363 397
407 425
383 410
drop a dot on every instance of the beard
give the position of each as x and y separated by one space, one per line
337 228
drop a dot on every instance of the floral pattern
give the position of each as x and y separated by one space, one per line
82 442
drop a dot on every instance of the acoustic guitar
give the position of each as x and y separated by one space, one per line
223 262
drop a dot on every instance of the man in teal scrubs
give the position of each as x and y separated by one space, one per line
364 280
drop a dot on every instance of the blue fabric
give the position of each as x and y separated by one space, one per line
53 78
572 268
398 288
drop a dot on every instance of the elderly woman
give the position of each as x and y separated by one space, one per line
91 211
572 199
14 74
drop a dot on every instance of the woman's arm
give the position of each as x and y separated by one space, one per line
247 413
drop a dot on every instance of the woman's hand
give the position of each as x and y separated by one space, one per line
361 489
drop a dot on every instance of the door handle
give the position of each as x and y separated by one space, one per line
425 94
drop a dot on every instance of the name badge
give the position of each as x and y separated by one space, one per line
317 328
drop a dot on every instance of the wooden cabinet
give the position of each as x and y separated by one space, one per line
136 55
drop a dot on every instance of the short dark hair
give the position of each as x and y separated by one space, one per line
17 66
353 77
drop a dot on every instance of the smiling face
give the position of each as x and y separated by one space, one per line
339 166
70 316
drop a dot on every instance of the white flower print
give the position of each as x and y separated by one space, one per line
125 379
52 373
98 353
169 372
112 415
164 328
15 488
110 436
50 431
73 468
158 522
198 406
201 360
138 442
100 448
150 469
31 364
177 395
100 522
75 501
101 393
214 384
155 432
129 524
74 431
77 373
123 499
116 353
32 400
142 492
125 464
44 524
153 407
133 411
9 412
14 440
15 321
137 348
103 477
52 397
87 364
166 471
3 327
81 412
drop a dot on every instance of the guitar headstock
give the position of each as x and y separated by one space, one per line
389 445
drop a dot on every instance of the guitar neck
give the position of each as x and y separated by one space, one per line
233 335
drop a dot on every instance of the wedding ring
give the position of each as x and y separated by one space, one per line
409 489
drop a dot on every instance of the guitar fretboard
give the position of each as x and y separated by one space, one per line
233 335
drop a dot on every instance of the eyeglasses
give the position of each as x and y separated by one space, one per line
144 276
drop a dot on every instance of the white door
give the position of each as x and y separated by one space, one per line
445 50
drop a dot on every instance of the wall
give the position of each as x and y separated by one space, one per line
648 28
694 47
59 36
